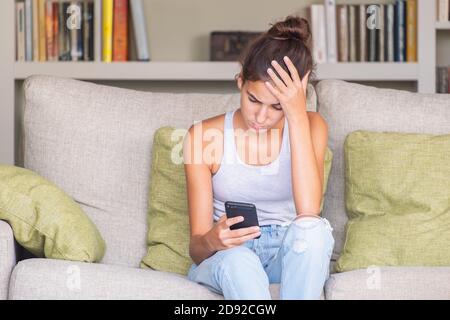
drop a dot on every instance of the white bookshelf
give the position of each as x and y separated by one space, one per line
423 72
204 70
442 25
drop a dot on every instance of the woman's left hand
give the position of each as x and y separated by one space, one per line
292 93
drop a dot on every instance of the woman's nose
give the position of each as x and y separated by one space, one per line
261 115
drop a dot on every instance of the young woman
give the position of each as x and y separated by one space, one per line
293 244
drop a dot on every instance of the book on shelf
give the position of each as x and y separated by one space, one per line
81 30
362 39
140 30
317 14
352 33
343 33
331 33
443 10
389 33
20 31
383 32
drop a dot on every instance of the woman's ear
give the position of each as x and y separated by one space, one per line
239 81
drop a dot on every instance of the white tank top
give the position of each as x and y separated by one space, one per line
268 187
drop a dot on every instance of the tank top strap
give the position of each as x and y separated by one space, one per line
228 138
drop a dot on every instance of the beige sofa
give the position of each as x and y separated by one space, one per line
95 142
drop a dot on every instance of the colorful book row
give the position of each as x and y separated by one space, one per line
81 30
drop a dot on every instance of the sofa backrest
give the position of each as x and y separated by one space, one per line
94 142
347 107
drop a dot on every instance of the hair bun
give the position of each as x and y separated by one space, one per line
292 27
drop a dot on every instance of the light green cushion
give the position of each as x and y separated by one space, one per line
168 218
397 200
46 221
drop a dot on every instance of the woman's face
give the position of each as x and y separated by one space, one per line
260 109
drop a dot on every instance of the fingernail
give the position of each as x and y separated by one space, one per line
269 70
285 57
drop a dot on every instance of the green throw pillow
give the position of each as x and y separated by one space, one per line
397 200
46 221
168 218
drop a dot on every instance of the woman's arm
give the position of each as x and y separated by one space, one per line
308 140
199 194
308 137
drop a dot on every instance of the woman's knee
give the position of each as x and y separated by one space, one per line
309 235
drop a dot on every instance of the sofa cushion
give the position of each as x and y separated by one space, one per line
45 220
94 141
168 219
397 198
58 279
348 107
390 283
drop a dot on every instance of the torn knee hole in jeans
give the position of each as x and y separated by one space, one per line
299 246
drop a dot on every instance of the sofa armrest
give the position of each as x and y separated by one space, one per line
8 257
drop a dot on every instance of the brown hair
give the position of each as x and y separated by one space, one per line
291 37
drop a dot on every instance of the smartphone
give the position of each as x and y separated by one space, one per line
246 210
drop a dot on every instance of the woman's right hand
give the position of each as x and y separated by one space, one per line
220 236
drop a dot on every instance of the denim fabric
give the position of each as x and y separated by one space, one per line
297 256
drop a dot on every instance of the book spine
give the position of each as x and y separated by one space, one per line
108 7
63 38
80 32
49 29
20 31
318 33
88 26
399 31
381 35
75 12
362 43
343 32
411 40
98 30
35 30
140 29
42 31
55 30
373 24
28 30
390 33
352 32
443 10
120 37
331 33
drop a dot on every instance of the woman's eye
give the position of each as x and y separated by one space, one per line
252 100
277 108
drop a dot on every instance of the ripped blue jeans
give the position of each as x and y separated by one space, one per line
297 256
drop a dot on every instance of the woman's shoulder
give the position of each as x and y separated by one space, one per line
211 131
212 123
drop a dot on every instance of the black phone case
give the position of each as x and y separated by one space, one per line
247 210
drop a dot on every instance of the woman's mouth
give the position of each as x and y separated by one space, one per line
256 127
